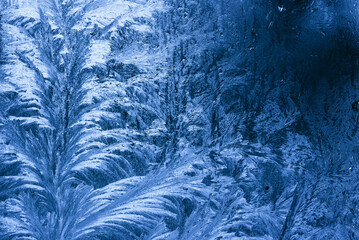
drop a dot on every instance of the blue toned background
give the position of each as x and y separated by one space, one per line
179 119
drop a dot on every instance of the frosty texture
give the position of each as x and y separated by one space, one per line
179 119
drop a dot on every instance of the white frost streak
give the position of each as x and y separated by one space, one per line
99 50
121 10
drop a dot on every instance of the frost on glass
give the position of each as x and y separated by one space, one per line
179 119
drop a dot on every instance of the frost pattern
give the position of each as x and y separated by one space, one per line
178 119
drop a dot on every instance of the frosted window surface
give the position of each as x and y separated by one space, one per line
179 119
